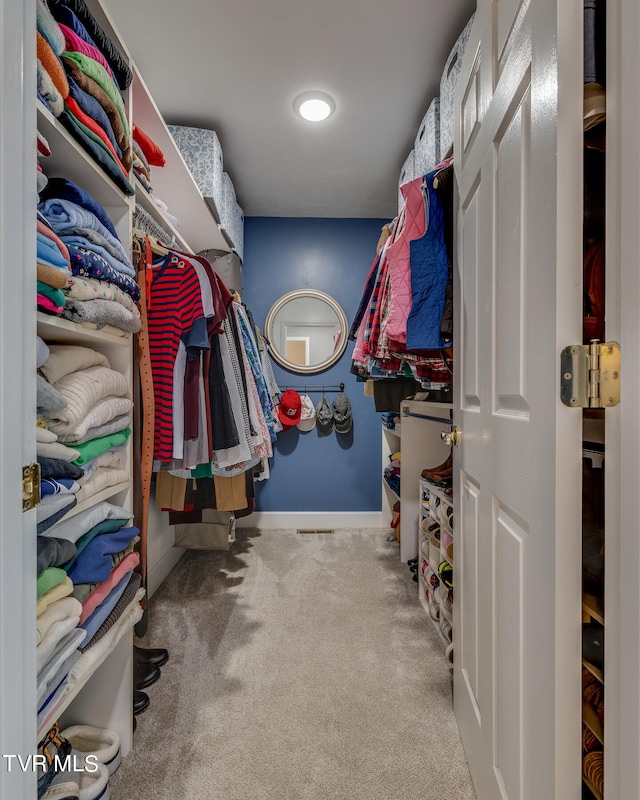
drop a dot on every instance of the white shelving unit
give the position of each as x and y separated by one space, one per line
108 703
103 695
421 446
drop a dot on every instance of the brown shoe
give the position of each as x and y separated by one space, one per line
428 472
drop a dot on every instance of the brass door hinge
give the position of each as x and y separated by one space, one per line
590 375
30 486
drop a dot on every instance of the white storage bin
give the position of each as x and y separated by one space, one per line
427 145
202 153
448 84
407 173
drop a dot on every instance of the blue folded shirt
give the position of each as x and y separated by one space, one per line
94 564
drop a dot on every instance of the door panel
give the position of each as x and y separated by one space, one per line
510 542
471 359
517 469
509 16
512 167
467 560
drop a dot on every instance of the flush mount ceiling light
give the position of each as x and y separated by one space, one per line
314 106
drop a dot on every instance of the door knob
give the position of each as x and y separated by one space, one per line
451 437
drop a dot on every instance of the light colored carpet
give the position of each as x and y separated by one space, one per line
302 667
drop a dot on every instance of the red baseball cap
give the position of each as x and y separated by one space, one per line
290 409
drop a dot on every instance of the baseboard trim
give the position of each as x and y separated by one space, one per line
161 569
275 520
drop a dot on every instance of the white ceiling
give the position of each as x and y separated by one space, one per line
236 66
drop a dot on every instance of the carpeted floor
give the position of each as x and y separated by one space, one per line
302 667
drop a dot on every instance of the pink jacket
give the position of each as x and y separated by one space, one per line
413 226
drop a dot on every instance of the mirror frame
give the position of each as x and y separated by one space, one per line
279 305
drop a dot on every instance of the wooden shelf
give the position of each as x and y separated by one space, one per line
144 199
56 712
592 788
393 431
65 331
593 607
390 490
593 670
69 160
105 494
590 719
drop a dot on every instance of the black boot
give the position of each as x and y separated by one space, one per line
151 655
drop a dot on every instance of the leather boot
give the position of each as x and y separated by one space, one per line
144 674
140 701
150 655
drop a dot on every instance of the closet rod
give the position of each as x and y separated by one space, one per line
321 388
145 222
406 413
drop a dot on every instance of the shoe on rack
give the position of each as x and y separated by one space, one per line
140 701
65 790
429 471
101 743
151 655
414 577
90 778
52 745
144 674
412 561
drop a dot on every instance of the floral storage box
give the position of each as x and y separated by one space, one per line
202 153
407 173
427 144
448 84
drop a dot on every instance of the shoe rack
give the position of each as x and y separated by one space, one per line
436 560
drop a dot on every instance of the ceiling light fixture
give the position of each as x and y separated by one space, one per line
314 106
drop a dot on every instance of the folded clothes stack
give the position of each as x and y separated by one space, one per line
86 580
80 76
99 288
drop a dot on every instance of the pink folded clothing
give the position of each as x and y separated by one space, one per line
102 589
45 230
48 305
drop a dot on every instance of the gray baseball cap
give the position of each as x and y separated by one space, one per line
324 417
342 413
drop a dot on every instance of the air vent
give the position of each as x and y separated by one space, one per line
315 530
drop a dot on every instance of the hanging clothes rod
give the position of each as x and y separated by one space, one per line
442 420
322 388
145 222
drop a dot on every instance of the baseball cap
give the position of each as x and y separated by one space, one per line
290 409
342 413
324 417
308 414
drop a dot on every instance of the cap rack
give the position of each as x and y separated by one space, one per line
307 387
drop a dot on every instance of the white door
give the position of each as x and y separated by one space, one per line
518 156
622 440
18 200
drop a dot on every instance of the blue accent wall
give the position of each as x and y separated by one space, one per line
310 471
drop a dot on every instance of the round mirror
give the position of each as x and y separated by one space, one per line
307 331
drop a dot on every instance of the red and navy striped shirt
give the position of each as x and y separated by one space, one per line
175 313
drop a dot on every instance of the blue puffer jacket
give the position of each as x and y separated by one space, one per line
429 273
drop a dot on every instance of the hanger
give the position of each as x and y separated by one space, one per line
157 248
